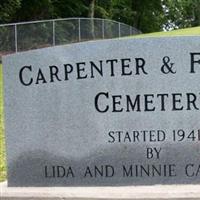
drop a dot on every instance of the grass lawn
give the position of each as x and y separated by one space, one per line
195 31
184 32
2 141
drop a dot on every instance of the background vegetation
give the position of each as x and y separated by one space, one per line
2 140
146 15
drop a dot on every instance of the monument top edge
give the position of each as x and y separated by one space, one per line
94 42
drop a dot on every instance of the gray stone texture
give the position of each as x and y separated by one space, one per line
56 123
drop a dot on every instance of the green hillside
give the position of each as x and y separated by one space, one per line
181 32
2 141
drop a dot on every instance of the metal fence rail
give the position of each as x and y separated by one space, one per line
38 34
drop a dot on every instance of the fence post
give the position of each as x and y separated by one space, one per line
79 29
54 39
119 26
130 30
103 29
16 40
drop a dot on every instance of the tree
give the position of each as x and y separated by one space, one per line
148 15
181 13
91 8
8 10
34 10
91 15
69 8
103 8
145 15
122 11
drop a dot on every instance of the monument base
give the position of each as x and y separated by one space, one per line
170 192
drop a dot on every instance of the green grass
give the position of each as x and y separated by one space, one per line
195 31
2 140
181 32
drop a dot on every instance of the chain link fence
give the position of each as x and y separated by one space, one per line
38 34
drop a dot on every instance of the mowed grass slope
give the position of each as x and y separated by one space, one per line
2 138
182 32
195 31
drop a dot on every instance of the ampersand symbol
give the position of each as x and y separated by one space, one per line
167 67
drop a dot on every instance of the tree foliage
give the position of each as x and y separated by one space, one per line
8 10
181 13
143 14
34 10
146 15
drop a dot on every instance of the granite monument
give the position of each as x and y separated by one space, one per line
103 113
